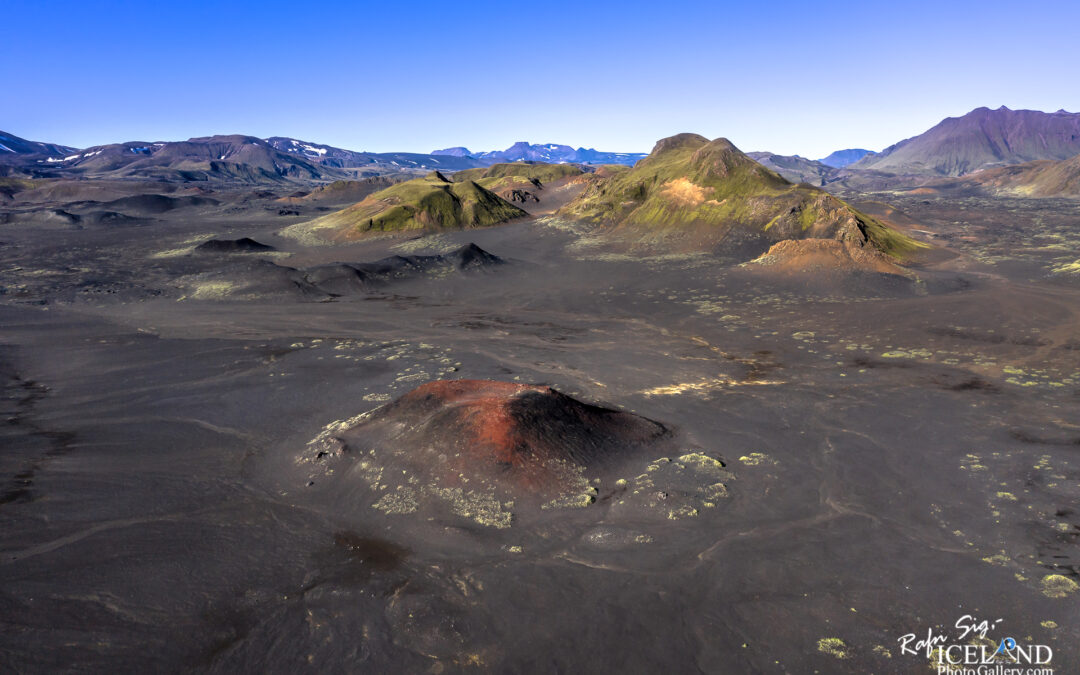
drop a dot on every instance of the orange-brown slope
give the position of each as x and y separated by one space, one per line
817 256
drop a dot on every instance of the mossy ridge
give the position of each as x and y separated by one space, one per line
428 203
688 181
528 171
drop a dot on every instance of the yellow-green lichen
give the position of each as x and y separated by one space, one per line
578 500
403 500
756 459
833 647
1058 586
481 508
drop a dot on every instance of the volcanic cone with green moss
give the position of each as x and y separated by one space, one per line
693 193
428 203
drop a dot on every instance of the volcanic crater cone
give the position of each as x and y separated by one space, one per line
518 432
481 445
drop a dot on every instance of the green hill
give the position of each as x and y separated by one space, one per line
526 171
695 194
428 203
529 183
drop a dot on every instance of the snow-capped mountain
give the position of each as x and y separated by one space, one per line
552 153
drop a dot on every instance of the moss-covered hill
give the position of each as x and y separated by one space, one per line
697 192
500 178
545 173
428 203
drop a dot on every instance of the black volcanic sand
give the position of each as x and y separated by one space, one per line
893 457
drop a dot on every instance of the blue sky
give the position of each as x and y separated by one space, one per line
791 77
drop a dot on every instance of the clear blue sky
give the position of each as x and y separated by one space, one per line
791 77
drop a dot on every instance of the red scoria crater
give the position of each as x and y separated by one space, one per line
524 435
479 445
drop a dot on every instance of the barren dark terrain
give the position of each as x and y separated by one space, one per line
816 465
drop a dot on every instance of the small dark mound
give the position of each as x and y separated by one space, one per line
338 278
243 245
348 278
529 438
110 218
253 277
156 204
468 257
472 256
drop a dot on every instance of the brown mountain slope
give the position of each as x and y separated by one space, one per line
1045 178
981 139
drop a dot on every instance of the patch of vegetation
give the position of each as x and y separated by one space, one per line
833 647
12 184
756 459
1058 586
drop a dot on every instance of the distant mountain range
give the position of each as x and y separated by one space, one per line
842 158
795 168
813 171
981 139
550 153
326 155
243 159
